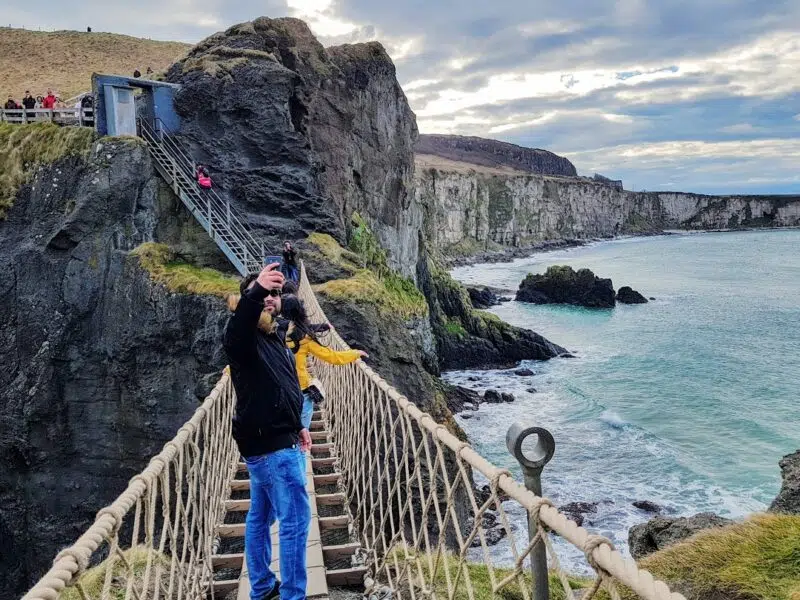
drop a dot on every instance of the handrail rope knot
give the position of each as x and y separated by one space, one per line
80 558
116 513
537 508
589 546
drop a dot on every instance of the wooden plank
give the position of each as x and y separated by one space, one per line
345 577
224 587
327 479
232 530
321 448
317 425
320 435
330 499
227 561
339 551
331 523
237 485
237 505
325 461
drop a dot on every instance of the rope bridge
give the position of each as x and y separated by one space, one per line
422 525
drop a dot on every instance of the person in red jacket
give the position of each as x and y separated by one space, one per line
49 101
203 177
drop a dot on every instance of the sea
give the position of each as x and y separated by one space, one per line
688 401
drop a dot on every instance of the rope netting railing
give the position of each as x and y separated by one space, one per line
426 528
157 538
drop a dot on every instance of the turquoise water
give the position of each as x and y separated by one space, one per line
688 401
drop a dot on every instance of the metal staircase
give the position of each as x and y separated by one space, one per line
215 215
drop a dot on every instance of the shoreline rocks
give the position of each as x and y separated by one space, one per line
661 532
788 499
627 295
483 297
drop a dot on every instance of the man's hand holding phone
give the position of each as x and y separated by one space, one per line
270 277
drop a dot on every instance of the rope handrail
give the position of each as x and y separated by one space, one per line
156 537
608 564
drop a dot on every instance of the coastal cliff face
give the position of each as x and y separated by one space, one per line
468 210
100 365
300 137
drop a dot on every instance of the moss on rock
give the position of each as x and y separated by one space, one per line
24 148
160 262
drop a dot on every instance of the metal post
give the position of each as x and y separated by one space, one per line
532 462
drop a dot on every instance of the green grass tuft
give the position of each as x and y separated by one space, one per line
159 261
372 280
482 583
454 327
92 580
399 297
758 559
23 148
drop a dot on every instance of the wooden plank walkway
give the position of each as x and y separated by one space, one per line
317 584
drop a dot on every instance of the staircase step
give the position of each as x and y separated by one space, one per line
345 577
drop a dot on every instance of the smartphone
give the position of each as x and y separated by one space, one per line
268 260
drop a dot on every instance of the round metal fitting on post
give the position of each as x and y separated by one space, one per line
530 458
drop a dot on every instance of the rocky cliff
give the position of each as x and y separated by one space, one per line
494 153
469 209
299 137
100 365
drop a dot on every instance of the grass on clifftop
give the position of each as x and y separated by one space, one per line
65 60
758 559
159 261
23 148
372 280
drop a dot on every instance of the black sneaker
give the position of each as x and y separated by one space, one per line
274 593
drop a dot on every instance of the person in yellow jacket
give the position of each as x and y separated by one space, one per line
301 339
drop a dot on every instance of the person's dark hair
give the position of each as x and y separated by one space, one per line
246 281
292 308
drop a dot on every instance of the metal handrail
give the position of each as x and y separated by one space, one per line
223 224
222 205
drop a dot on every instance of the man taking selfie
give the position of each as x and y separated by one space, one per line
270 436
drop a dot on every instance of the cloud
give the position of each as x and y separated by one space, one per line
593 80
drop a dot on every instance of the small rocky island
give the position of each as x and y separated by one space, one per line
561 284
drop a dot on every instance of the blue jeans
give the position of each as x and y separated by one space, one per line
292 273
277 491
308 411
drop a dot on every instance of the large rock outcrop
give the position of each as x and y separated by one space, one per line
788 499
300 137
470 210
468 338
100 365
656 534
564 285
494 153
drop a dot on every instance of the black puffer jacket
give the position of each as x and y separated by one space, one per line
268 397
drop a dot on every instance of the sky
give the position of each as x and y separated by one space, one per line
692 95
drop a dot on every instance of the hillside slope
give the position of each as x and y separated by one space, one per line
65 60
494 153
